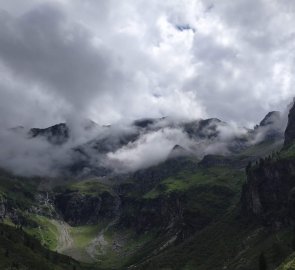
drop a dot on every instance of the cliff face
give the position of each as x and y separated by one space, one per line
78 209
269 193
290 130
144 215
57 134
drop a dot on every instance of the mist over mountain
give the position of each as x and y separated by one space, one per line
147 135
87 148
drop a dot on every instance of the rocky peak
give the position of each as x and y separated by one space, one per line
270 119
270 128
147 122
290 130
57 134
204 128
178 151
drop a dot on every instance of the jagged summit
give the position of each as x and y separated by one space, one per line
146 122
204 128
271 127
271 118
57 134
60 133
178 151
91 146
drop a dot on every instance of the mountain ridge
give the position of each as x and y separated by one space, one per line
172 215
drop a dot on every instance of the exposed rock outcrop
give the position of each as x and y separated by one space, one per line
267 194
156 214
80 209
176 212
290 130
57 134
201 129
271 127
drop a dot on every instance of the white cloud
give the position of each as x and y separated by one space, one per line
111 60
150 149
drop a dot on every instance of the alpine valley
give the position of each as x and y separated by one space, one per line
153 194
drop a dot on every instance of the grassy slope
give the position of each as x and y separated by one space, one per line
230 243
224 243
214 176
288 153
227 244
288 264
89 187
19 250
45 231
20 191
262 149
209 190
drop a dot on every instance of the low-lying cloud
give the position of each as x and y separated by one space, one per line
150 149
127 148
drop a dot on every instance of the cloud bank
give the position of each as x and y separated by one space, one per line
112 61
86 148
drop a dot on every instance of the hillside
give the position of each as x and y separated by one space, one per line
187 212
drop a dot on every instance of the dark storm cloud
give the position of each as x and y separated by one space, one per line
42 48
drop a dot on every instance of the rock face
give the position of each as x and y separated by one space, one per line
180 213
148 204
57 134
78 208
144 215
271 126
201 129
290 130
147 122
268 192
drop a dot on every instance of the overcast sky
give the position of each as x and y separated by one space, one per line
120 60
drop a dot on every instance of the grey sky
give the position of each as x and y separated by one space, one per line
118 60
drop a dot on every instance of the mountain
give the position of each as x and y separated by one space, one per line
188 211
270 119
89 146
259 228
57 134
207 128
271 126
147 122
